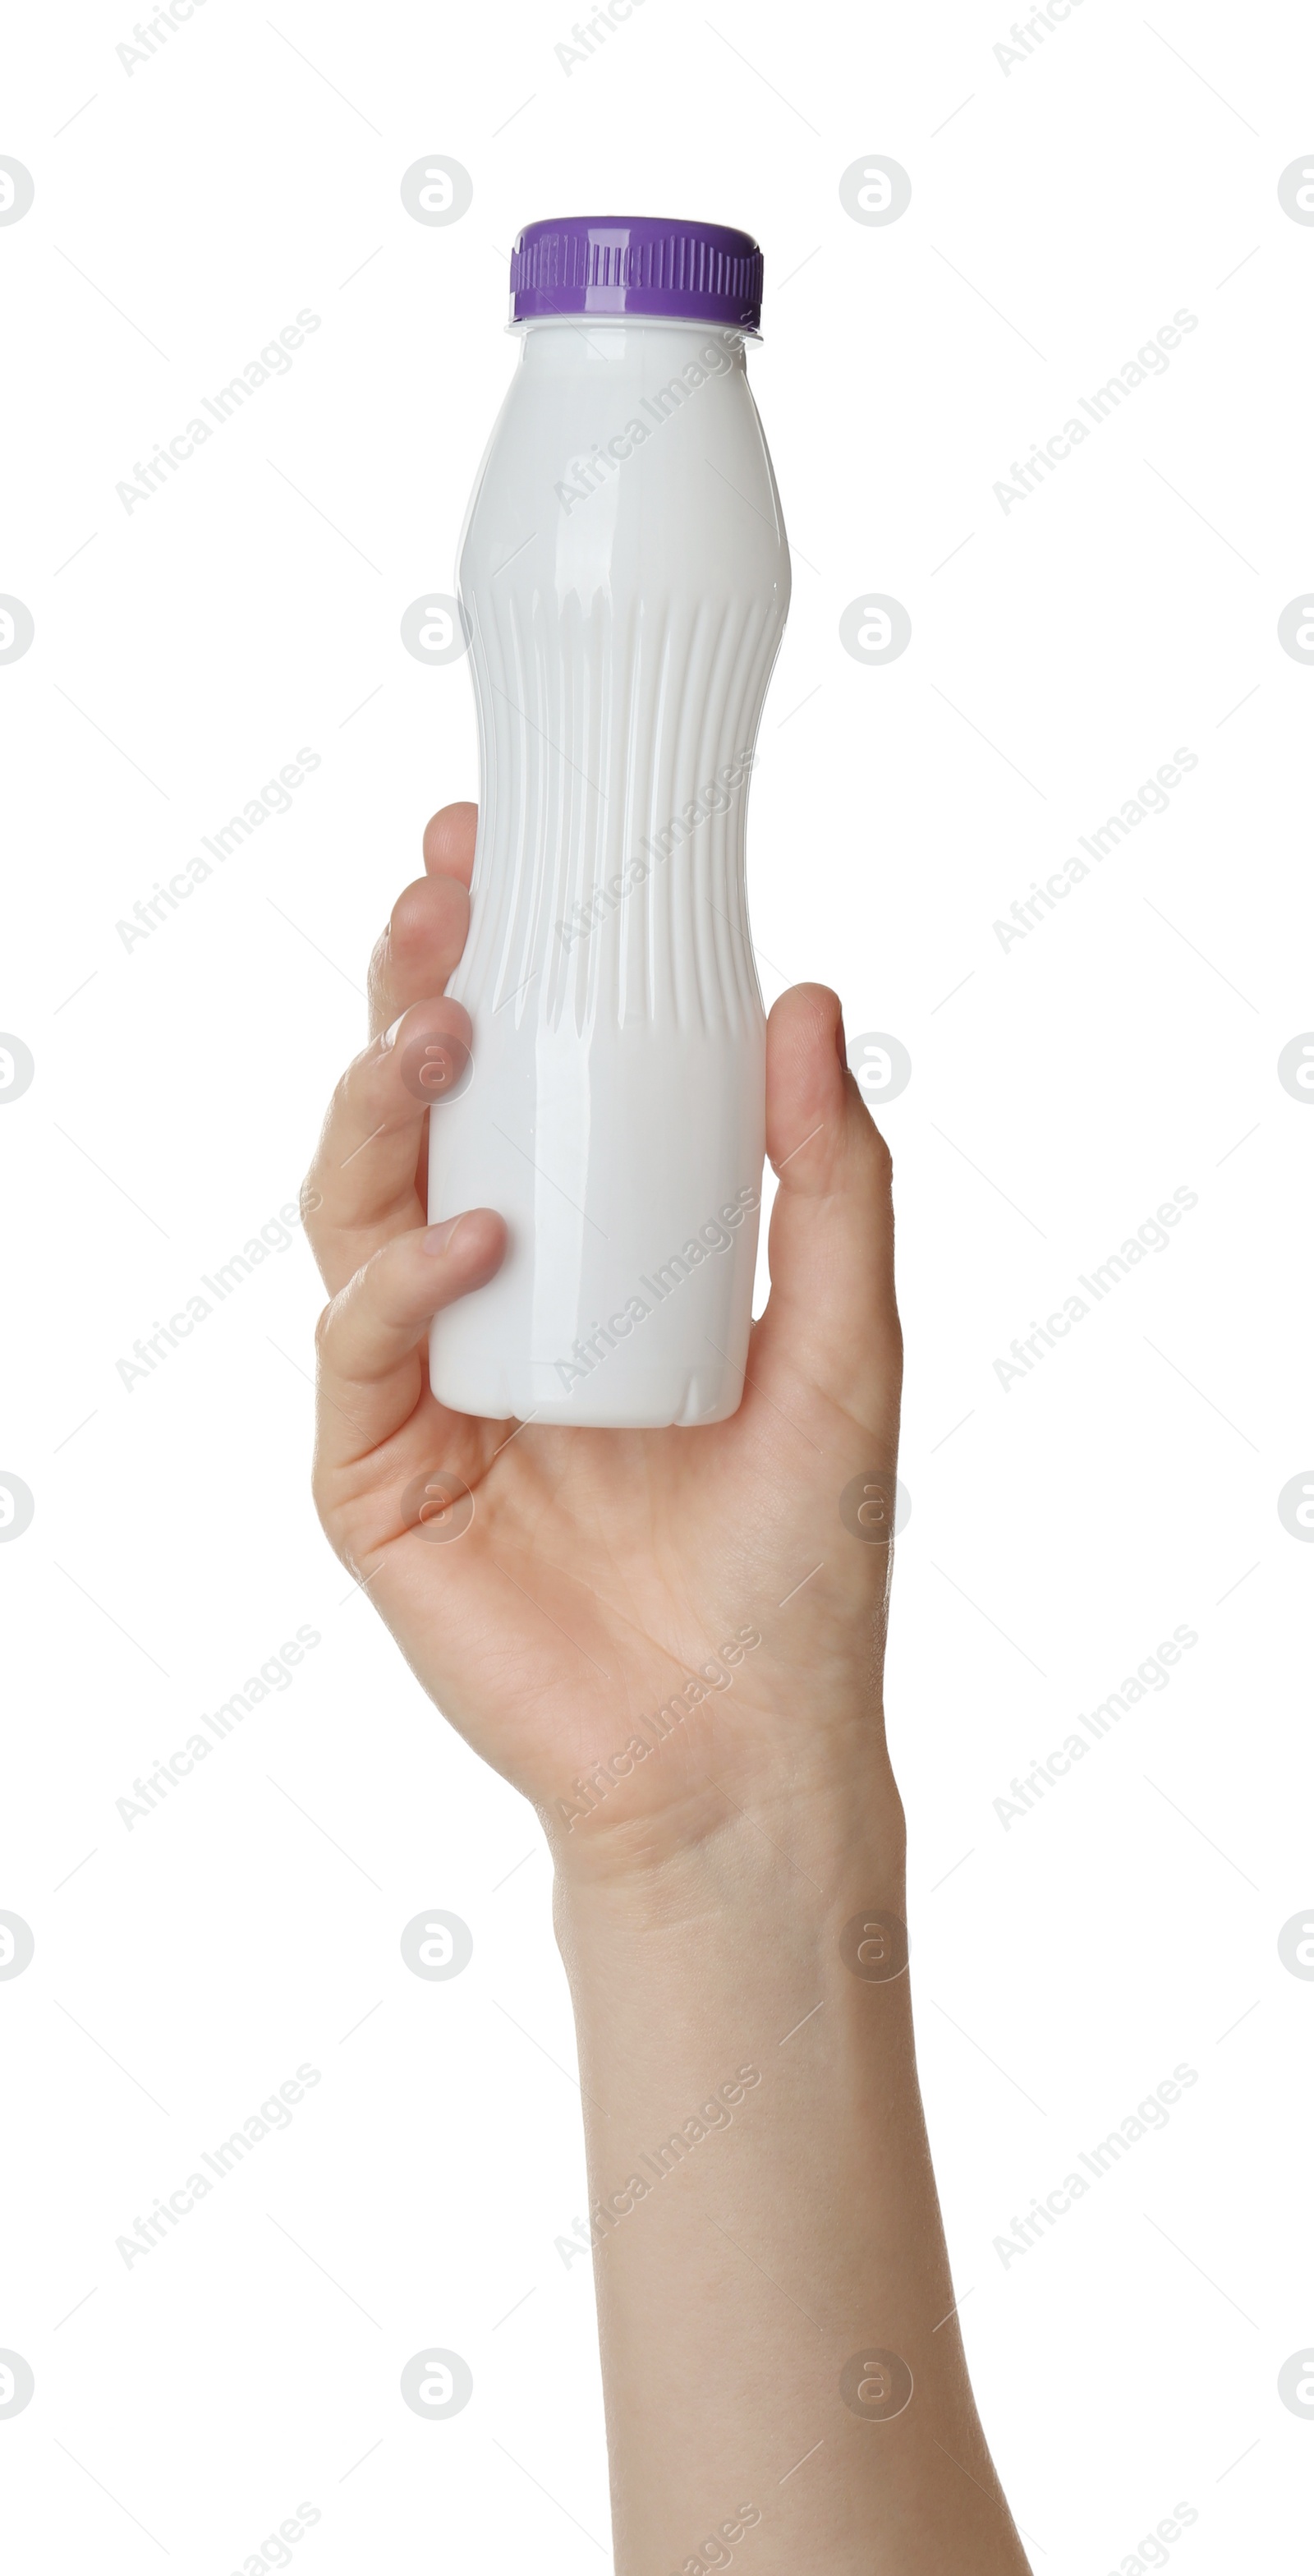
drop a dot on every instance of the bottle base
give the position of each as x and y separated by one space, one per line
659 1399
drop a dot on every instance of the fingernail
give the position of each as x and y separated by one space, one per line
439 1238
389 1037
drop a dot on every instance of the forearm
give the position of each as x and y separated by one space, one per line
747 2273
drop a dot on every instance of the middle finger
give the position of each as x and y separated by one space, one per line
420 948
361 1189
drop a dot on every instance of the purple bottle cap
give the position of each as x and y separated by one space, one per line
640 264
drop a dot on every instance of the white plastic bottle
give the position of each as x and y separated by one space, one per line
624 581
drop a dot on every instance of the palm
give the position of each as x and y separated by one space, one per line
587 1578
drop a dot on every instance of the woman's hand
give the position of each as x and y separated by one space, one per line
671 1641
593 1578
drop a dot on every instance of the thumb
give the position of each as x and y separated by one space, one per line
831 1319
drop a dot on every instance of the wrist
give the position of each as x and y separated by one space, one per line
757 1979
798 1850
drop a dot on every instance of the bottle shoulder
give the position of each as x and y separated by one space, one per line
657 461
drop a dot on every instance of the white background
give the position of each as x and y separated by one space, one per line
1062 210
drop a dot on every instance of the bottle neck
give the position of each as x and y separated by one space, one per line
568 343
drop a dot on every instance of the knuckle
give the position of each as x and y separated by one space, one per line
877 1147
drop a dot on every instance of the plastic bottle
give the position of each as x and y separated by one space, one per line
624 581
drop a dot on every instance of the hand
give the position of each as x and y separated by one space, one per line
600 1571
711 1864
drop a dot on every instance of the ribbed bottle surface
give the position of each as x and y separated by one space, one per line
611 876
